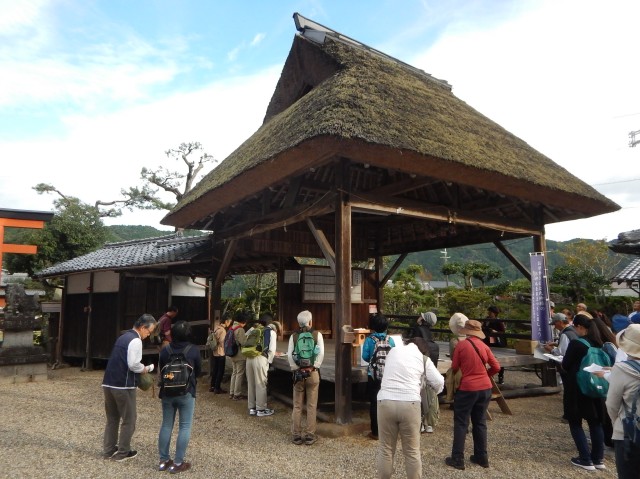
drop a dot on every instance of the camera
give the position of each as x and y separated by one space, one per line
300 375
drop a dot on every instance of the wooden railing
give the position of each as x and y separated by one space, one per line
517 324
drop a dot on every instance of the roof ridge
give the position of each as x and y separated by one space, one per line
316 32
142 240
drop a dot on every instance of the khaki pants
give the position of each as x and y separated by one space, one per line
308 387
257 369
399 418
239 363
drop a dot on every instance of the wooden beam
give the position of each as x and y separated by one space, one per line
402 186
522 268
18 248
324 245
279 219
14 223
416 209
292 194
224 265
393 270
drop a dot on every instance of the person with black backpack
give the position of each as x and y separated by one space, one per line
374 351
180 366
233 342
624 392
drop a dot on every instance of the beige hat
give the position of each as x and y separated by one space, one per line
457 322
473 328
629 340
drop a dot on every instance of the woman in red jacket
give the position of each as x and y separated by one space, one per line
472 397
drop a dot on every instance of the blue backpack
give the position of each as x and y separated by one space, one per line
589 384
619 322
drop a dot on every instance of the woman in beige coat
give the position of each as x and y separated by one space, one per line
624 382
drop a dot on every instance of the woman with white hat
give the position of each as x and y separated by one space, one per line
624 382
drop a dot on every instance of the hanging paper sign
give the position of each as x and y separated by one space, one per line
540 328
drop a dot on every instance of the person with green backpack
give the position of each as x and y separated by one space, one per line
581 403
259 350
305 354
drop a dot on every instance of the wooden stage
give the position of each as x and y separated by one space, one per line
506 357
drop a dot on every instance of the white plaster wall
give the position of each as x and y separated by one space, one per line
183 286
103 282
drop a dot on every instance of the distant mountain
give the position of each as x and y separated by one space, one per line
432 261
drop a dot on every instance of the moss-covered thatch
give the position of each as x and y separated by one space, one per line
353 97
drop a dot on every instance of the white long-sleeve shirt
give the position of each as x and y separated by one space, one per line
404 369
134 355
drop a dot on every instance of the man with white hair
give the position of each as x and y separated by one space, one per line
305 355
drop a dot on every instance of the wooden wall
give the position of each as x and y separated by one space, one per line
113 313
291 304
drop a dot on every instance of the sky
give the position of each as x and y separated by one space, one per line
92 91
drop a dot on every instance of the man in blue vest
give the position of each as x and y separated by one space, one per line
121 378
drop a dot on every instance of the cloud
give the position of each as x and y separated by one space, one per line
232 55
547 77
257 39
100 154
83 67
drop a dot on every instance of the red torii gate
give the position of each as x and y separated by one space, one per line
20 219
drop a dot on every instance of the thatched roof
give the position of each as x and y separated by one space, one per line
334 99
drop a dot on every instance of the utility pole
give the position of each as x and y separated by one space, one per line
445 257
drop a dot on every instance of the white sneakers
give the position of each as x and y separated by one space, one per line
265 412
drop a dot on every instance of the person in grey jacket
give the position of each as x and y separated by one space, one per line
624 381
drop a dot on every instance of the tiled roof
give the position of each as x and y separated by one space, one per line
629 274
163 250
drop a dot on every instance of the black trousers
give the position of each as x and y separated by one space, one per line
470 405
373 387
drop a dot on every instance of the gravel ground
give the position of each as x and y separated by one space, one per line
53 429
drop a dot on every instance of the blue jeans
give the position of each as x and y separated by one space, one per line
596 454
184 406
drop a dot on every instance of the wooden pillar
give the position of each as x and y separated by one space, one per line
59 343
379 286
540 244
215 300
88 361
343 409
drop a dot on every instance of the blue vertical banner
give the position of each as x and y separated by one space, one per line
540 328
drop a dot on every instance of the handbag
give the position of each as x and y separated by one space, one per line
145 381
